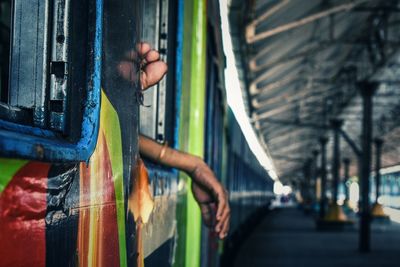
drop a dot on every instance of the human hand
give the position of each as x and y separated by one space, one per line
211 195
152 68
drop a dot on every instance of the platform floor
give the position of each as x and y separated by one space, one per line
287 238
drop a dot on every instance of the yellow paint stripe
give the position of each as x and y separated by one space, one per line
109 122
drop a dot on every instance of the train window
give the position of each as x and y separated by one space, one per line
49 87
157 112
41 67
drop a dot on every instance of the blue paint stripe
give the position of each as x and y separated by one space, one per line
91 118
178 71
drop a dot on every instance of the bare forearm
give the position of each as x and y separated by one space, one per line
194 166
205 186
167 156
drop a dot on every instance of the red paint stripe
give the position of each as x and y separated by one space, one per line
84 215
108 236
22 212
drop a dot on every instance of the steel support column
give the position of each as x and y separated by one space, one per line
377 211
323 200
378 152
307 184
367 90
336 124
346 163
315 153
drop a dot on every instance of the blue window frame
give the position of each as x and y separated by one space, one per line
50 86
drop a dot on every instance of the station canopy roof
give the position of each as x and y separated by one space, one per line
301 63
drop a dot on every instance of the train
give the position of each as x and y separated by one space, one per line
69 128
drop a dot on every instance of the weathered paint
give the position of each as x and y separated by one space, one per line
34 202
22 217
104 183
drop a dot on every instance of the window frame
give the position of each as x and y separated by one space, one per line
32 142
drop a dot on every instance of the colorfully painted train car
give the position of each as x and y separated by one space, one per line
69 127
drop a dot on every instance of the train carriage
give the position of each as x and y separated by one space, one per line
69 127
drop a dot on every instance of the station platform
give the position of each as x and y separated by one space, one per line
288 238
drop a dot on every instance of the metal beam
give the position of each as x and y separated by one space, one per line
294 101
286 158
274 85
287 58
314 47
292 147
252 37
297 123
285 48
351 143
296 76
287 108
271 11
275 71
292 140
306 94
295 134
276 111
282 132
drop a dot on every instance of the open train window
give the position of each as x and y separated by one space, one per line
157 113
50 79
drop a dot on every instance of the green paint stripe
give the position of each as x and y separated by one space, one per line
196 125
179 256
109 117
193 236
8 168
